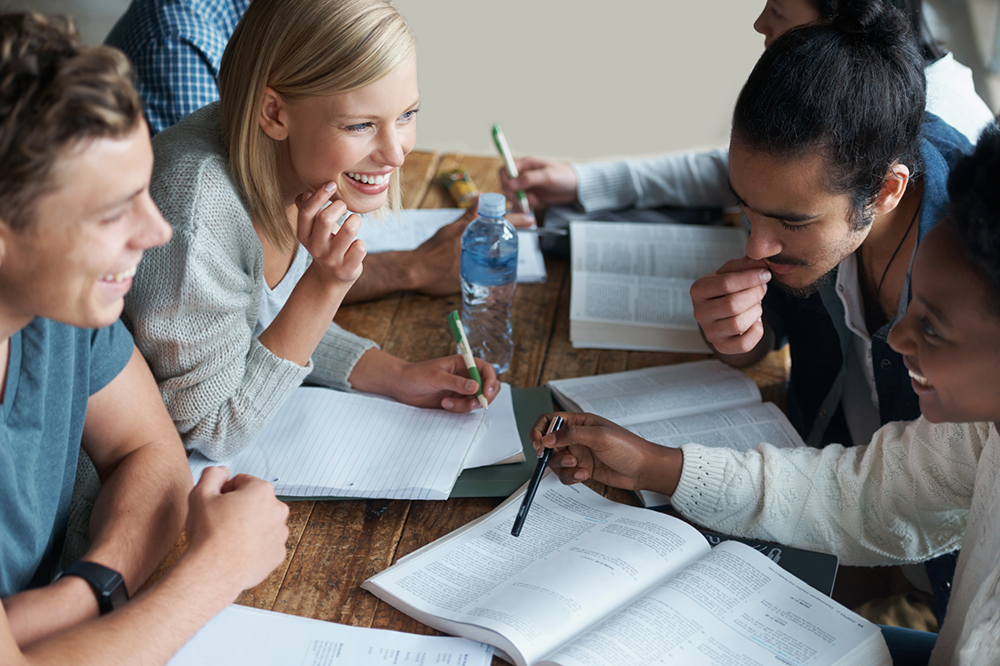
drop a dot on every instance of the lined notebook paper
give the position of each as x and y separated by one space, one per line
325 443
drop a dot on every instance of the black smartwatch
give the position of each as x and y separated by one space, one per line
108 584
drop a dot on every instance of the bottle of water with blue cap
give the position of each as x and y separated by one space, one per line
489 274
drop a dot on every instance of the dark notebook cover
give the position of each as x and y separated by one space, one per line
503 480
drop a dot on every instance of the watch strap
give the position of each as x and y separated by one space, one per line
107 584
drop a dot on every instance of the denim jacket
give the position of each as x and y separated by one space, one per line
818 333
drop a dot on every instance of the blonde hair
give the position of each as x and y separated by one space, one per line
300 49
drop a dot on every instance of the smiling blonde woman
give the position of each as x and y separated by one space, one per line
317 98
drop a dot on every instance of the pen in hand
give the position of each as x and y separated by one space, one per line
508 162
458 332
536 478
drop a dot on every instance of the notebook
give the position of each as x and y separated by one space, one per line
325 443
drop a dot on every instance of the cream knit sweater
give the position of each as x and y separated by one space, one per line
917 491
194 302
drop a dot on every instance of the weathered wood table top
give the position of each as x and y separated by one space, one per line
333 546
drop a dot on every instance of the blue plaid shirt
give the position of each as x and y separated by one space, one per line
176 47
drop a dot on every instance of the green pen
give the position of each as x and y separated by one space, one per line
458 332
508 162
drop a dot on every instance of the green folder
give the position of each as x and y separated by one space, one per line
503 480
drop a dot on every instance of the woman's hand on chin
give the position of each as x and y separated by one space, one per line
337 253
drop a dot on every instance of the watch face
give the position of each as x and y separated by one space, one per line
119 595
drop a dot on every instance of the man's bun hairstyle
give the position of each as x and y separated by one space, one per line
851 89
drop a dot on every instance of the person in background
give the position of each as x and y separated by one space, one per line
176 47
698 179
319 106
75 219
919 488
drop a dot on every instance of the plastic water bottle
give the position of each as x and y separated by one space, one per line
489 274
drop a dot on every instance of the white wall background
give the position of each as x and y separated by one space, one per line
579 79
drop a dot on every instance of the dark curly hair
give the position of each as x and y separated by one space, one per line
54 92
974 213
851 89
914 12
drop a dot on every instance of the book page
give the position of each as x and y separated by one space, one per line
239 636
650 394
741 429
416 225
640 273
330 443
578 556
655 250
732 607
652 301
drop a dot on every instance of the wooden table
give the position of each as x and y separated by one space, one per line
334 546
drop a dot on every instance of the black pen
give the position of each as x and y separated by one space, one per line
536 478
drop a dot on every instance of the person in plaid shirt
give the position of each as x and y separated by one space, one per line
175 47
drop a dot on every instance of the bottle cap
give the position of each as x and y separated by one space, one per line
492 204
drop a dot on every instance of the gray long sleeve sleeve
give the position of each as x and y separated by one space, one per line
195 301
692 179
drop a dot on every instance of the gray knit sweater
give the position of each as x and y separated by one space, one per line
194 302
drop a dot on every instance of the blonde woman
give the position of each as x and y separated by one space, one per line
318 109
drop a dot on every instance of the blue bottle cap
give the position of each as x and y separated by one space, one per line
492 204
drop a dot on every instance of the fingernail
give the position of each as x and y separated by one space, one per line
471 385
491 390
448 403
549 439
580 476
305 197
330 187
765 275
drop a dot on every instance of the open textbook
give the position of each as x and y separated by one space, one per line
416 225
704 402
325 443
591 582
241 636
631 282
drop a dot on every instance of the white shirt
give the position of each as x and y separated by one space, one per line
951 96
860 398
272 300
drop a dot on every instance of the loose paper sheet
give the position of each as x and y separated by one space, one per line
241 636
498 438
